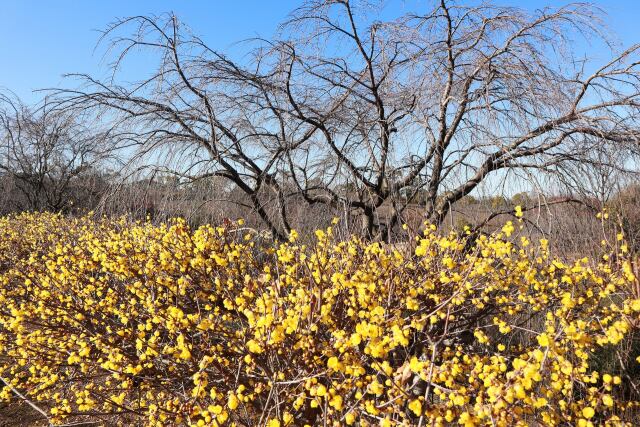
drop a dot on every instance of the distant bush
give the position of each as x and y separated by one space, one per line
125 322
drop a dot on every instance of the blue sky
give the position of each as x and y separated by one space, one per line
42 40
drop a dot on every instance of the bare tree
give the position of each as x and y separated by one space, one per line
363 115
48 158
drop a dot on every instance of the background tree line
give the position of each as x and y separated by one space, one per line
439 115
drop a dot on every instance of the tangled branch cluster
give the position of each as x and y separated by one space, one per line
120 322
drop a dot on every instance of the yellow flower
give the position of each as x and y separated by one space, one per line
232 401
321 390
333 363
254 347
518 211
336 402
588 412
543 340
416 407
350 418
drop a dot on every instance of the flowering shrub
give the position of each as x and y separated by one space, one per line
131 322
